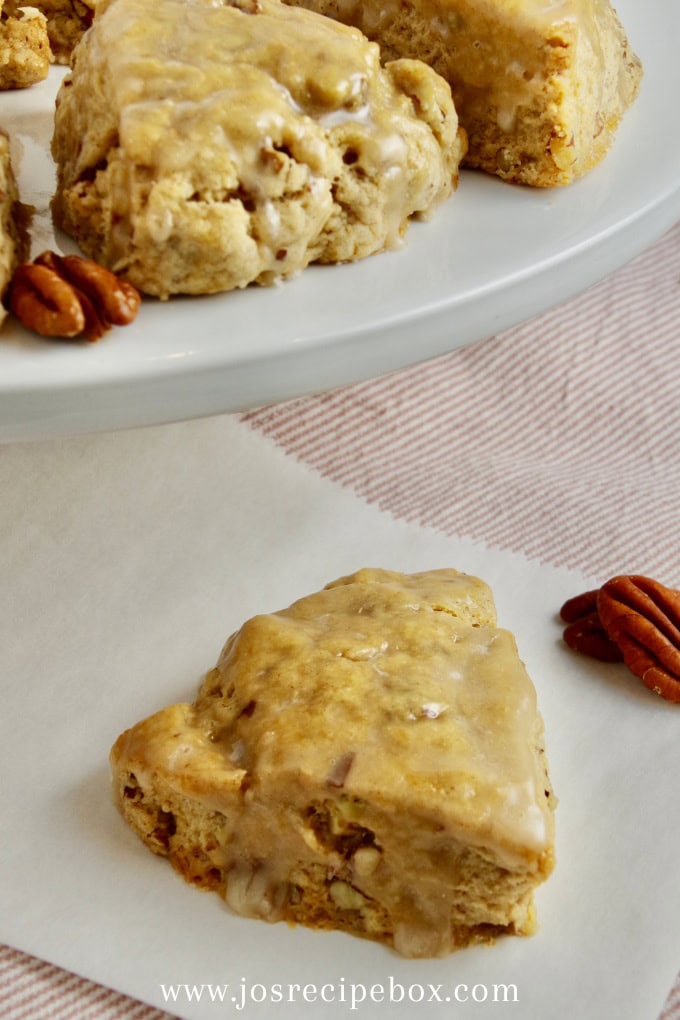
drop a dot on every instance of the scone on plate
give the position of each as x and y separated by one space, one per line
539 86
13 222
67 20
24 46
370 759
204 145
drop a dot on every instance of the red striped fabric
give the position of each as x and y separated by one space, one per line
671 1010
31 989
557 439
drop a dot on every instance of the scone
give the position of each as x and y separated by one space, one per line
539 86
13 222
202 146
24 47
370 759
66 22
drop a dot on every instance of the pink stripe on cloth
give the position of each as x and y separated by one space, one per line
557 439
671 1010
31 989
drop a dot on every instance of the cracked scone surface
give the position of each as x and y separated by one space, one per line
540 86
369 759
202 146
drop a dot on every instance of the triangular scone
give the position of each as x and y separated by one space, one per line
369 759
539 85
203 145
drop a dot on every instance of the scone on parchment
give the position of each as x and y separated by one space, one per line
370 759
14 241
204 145
24 47
539 85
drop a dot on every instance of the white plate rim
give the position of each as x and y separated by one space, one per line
133 379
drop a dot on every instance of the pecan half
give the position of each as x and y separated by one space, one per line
95 325
579 606
44 302
71 296
588 636
116 301
586 633
643 617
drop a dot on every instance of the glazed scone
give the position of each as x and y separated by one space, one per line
539 85
370 760
202 146
24 47
67 20
13 222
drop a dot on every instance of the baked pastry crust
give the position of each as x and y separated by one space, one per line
14 241
369 759
67 20
539 86
24 47
269 139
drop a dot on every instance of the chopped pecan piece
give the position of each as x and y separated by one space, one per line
340 770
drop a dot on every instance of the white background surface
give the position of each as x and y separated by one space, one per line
492 256
126 560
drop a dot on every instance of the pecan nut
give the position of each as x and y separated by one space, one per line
45 303
643 617
579 606
585 632
71 296
587 636
95 325
117 301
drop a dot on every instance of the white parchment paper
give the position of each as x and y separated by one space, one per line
126 560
